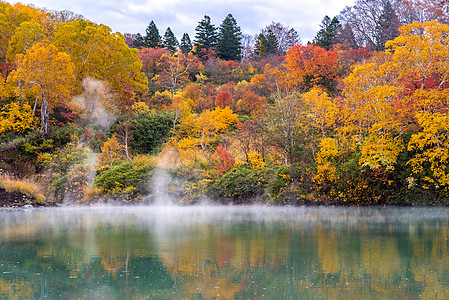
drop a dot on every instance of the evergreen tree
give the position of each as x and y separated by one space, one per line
205 37
170 42
286 37
266 44
152 37
229 46
186 44
326 35
138 41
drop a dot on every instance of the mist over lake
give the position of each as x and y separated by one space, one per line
224 252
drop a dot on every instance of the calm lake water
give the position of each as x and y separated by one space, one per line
224 253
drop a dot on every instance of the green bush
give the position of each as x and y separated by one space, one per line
123 179
64 134
148 132
240 184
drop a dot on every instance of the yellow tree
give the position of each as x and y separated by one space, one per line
23 39
368 113
199 132
323 110
2 88
175 69
47 74
406 88
11 17
110 153
98 53
420 55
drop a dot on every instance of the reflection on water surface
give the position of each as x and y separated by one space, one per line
224 253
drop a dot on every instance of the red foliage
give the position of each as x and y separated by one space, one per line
223 99
313 66
150 57
223 160
252 103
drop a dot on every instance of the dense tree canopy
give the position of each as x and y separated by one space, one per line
358 117
100 54
50 80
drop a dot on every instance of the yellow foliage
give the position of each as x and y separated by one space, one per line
369 94
256 161
186 143
2 88
224 117
17 118
99 53
432 147
23 39
33 71
380 150
324 111
195 133
241 86
326 171
201 78
420 51
110 153
140 108
328 150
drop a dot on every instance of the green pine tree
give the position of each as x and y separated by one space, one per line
266 44
229 46
170 42
205 37
138 41
326 35
186 44
152 37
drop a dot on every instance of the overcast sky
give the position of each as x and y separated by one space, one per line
133 16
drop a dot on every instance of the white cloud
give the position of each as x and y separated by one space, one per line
183 16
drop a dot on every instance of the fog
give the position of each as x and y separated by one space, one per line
161 217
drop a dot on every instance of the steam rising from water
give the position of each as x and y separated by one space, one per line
96 94
161 181
23 221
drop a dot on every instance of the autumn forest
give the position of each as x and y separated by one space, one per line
358 116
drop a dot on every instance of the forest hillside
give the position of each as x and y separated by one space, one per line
359 116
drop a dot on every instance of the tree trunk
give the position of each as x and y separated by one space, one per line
44 113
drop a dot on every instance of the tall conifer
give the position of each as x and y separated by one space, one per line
205 37
326 35
186 44
170 42
229 46
152 37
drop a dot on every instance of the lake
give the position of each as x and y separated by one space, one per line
220 252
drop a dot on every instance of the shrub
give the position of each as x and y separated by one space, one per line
240 184
149 132
124 178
